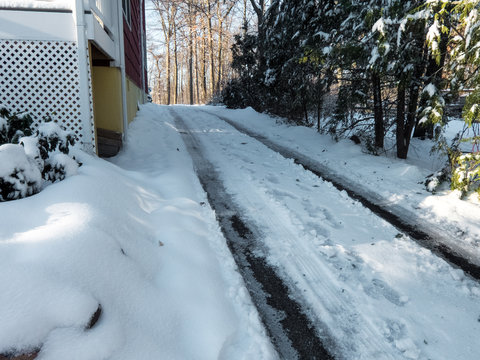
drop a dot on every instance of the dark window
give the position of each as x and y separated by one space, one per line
127 11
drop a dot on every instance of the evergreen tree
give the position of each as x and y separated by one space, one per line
465 57
362 58
402 33
371 48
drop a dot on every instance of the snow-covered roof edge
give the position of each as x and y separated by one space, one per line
37 4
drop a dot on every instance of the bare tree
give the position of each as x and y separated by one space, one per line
224 9
196 37
167 10
157 59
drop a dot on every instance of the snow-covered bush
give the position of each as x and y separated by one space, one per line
466 173
433 181
13 127
31 147
58 167
52 139
19 174
36 158
50 147
3 129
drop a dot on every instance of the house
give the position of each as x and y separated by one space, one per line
80 62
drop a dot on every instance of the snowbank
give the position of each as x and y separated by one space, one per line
137 239
399 182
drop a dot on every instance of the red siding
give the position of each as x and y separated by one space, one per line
133 45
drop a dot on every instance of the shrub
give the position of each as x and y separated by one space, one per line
466 173
50 147
52 139
58 167
433 181
19 175
36 158
12 127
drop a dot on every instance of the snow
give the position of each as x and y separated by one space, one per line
38 4
138 237
63 161
430 89
51 129
30 146
379 26
18 170
400 182
12 157
433 35
374 56
377 293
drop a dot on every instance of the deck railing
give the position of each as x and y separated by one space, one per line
104 10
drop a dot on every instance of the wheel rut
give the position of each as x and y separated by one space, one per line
377 205
291 331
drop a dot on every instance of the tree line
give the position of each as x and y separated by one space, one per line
362 67
190 51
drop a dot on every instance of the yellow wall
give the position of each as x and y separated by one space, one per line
134 97
107 98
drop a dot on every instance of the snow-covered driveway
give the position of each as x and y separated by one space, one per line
133 235
137 237
376 293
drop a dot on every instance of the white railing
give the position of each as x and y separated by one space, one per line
105 11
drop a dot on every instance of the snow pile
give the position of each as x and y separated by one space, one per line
137 238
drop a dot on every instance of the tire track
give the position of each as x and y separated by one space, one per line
404 222
292 333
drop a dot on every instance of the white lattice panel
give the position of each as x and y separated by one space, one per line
42 78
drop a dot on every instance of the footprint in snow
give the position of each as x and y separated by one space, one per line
379 288
395 332
272 178
323 214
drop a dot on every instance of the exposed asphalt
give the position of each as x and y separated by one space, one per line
291 331
404 221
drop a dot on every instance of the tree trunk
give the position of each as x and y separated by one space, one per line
413 97
168 72
190 50
245 23
210 43
260 12
222 16
157 80
204 70
401 147
378 111
219 61
319 111
197 70
175 65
